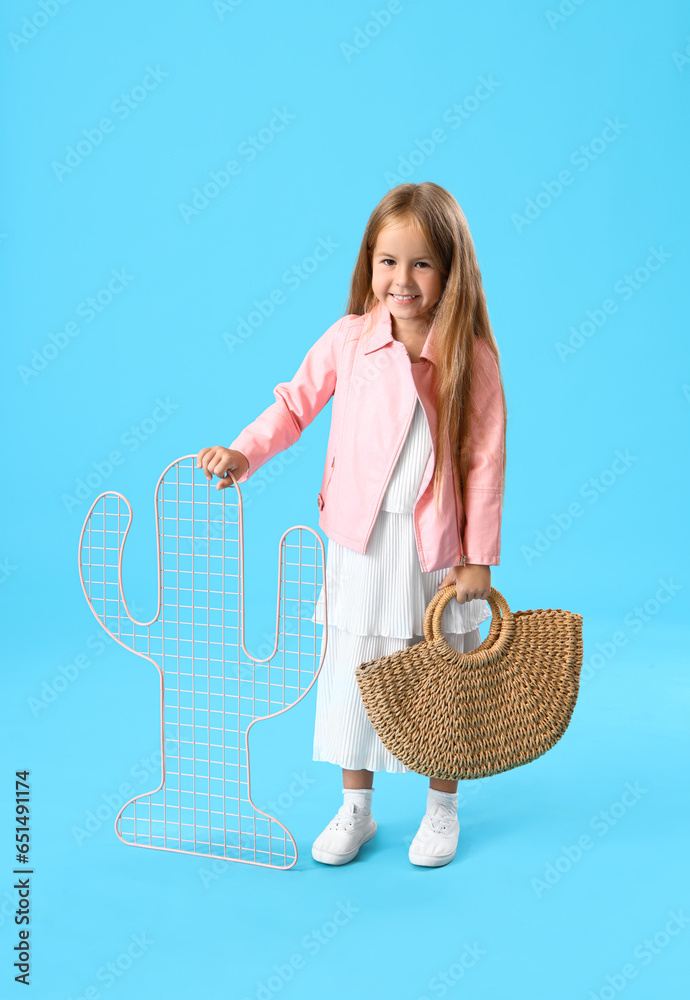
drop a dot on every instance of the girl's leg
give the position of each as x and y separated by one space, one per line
441 785
358 779
352 826
436 840
365 779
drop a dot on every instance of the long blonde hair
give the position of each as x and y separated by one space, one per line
459 316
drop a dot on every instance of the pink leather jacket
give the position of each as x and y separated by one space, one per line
374 388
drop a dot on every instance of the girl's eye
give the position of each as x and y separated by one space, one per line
389 260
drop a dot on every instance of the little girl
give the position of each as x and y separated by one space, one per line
414 502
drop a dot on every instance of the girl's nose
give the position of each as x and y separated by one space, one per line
404 280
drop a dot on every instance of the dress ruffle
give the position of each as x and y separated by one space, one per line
343 733
376 604
384 591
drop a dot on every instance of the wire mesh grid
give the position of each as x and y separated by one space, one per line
212 690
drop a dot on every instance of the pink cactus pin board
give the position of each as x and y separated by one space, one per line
212 690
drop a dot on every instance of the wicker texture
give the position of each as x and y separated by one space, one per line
468 715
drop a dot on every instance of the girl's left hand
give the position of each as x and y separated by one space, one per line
472 582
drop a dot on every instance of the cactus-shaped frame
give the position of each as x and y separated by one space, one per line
212 689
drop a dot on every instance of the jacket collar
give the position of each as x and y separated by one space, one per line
382 333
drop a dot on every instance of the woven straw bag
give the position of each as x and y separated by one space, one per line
468 715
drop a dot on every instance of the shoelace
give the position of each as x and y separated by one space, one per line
439 822
343 819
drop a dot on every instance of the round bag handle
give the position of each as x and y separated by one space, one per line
501 623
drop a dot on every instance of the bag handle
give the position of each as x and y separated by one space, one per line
501 629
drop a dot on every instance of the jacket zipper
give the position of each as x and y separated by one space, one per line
324 494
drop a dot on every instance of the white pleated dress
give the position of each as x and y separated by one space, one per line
376 605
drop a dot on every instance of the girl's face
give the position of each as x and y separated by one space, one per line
404 277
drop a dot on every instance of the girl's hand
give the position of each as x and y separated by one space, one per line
472 582
218 461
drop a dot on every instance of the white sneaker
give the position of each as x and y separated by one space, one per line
344 835
436 841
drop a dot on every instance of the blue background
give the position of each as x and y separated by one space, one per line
358 114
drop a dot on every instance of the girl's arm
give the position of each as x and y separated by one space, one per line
297 403
481 541
482 497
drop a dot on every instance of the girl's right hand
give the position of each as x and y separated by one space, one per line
218 461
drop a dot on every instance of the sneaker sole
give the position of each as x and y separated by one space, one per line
425 861
326 858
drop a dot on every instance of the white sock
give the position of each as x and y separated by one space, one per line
448 799
361 797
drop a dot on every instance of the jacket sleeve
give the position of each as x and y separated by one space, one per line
297 403
482 497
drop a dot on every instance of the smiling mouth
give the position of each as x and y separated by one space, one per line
404 298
